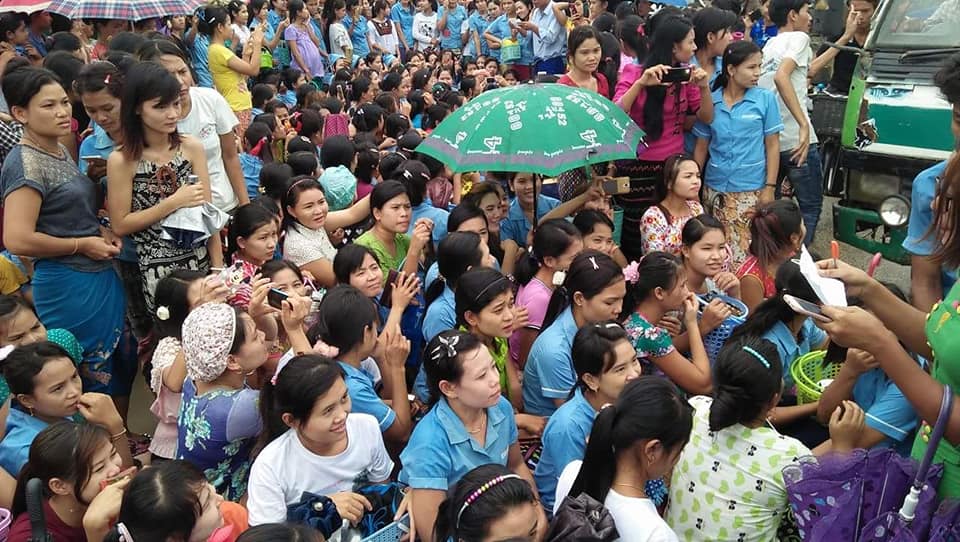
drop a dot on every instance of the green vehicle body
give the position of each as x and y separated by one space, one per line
895 95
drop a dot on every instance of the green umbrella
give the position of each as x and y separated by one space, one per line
536 128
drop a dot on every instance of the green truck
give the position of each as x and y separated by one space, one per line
893 124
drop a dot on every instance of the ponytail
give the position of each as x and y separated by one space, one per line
771 228
456 254
747 376
655 270
551 239
789 280
649 408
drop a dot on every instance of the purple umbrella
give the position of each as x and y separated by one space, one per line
836 496
126 10
913 521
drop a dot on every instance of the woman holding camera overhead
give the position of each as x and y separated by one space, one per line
658 95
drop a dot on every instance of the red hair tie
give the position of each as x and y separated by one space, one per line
641 31
258 148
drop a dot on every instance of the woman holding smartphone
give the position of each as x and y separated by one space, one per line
658 94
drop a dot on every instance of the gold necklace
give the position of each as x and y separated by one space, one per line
642 491
483 422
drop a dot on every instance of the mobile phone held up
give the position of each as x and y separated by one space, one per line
275 298
680 74
617 185
386 297
805 308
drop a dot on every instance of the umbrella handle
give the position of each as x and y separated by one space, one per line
946 405
909 508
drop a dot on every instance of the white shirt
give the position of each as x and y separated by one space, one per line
339 39
285 469
637 520
795 46
303 245
390 42
211 117
425 30
243 33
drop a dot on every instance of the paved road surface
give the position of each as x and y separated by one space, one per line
888 271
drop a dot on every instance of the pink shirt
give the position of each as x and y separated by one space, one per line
675 110
535 296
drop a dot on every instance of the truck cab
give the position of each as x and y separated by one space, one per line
895 123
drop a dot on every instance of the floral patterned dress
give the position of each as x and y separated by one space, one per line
661 232
157 256
650 342
216 432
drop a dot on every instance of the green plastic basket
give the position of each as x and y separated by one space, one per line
808 371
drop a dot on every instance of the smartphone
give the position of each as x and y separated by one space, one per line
617 185
677 75
117 477
93 158
805 308
275 298
386 297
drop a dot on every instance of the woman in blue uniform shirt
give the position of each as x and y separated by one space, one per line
592 292
469 424
605 361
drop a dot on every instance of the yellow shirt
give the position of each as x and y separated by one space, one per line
231 84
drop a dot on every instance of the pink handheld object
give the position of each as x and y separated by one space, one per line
874 264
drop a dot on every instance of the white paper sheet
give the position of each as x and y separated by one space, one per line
830 291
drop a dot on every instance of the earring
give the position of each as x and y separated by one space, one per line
30 410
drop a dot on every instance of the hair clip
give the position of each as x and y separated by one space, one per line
407 175
5 351
163 313
326 350
631 273
258 148
757 355
481 490
641 31
450 344
106 80
593 260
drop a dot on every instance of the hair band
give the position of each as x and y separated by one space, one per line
298 182
488 286
481 490
757 355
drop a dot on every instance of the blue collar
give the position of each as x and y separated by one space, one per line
516 212
457 432
782 334
580 402
102 141
751 95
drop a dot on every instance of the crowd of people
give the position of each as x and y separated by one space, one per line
360 335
